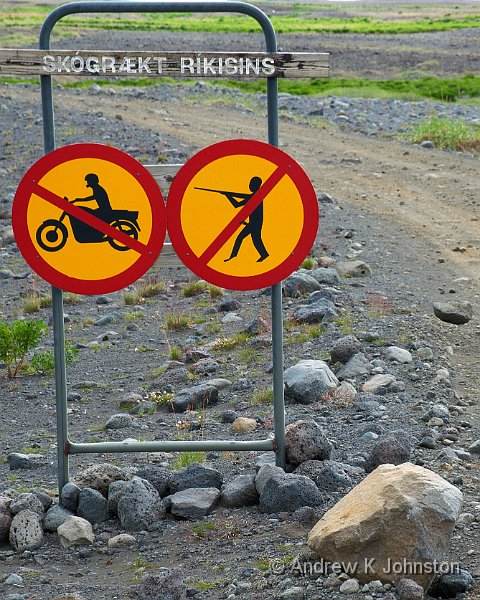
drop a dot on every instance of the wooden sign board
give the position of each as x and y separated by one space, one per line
232 65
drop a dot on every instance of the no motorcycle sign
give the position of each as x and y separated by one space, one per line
94 244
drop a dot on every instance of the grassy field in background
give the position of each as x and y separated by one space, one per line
301 18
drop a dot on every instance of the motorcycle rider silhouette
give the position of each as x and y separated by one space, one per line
52 234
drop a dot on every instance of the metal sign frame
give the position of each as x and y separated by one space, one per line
65 447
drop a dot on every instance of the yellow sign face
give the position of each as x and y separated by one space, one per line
242 218
90 217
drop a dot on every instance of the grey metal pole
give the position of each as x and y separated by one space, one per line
173 446
60 386
57 301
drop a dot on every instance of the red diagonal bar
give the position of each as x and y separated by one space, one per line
258 197
88 218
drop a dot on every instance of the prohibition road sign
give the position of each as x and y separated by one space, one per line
89 218
242 214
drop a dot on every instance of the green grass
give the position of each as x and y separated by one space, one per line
448 134
431 88
175 353
194 288
32 17
262 397
175 321
464 89
187 458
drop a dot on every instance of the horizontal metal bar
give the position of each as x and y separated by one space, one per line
169 446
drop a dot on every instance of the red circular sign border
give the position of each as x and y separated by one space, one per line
250 148
46 271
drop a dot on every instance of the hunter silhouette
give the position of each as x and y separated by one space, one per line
255 221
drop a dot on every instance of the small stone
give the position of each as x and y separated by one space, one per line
457 313
377 382
26 531
428 442
306 440
244 425
436 422
194 503
425 353
354 268
119 421
124 540
344 348
399 355
351 586
55 516
475 447
69 496
17 460
13 579
75 531
92 506
451 584
407 589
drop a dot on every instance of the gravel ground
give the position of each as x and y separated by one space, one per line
390 205
140 342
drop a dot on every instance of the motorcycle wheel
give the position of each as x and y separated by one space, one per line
52 235
125 227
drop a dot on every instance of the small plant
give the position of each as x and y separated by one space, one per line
309 263
175 353
225 344
194 288
205 586
202 529
378 305
214 291
16 340
138 566
335 399
161 398
71 298
33 450
175 321
134 315
213 327
157 372
248 355
262 397
33 303
344 323
44 362
453 134
187 458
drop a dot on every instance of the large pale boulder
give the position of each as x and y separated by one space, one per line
395 524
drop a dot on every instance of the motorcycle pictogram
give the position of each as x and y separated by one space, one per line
52 234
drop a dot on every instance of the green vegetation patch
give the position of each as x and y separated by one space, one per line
432 88
460 89
448 134
32 17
